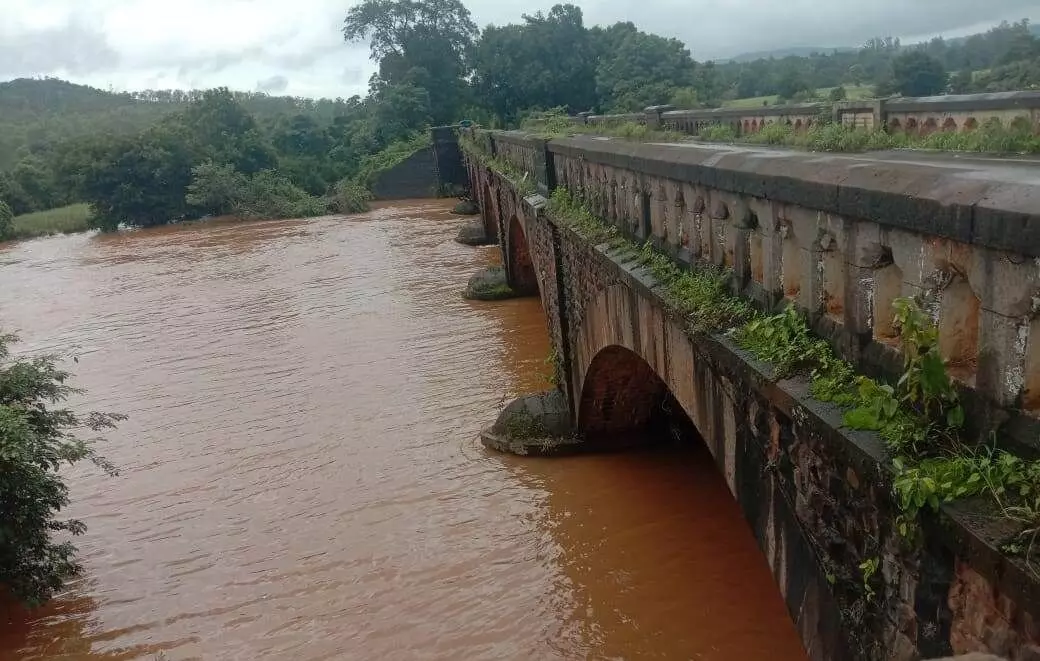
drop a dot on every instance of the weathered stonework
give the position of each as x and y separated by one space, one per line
841 240
917 116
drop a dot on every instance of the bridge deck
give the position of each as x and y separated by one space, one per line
1008 168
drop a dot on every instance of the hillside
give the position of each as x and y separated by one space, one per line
35 113
792 51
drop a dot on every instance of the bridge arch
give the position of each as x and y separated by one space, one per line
489 210
519 265
634 367
624 401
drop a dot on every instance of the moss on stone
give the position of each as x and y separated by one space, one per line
489 285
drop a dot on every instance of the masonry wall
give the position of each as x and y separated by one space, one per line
415 177
906 115
818 498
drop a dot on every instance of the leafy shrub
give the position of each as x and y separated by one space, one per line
270 194
216 188
718 133
36 440
219 189
6 221
772 134
348 196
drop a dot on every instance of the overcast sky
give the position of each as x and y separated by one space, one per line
294 46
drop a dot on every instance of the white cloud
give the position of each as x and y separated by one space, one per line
138 44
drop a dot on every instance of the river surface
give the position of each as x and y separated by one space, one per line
301 477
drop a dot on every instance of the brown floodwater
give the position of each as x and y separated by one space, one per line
301 477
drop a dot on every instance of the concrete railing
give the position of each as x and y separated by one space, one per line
841 236
913 115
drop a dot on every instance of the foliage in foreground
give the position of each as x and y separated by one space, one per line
219 189
919 418
6 222
555 123
37 437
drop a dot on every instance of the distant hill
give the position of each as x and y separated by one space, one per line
35 112
793 51
30 97
805 51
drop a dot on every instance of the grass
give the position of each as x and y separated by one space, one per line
991 137
751 102
556 124
853 92
64 220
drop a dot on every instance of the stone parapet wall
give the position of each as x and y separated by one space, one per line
918 115
842 237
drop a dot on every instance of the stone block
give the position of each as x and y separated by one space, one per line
1001 357
1007 285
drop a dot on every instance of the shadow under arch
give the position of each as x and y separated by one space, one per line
624 403
519 266
489 213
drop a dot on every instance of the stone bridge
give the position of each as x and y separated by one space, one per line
914 116
840 237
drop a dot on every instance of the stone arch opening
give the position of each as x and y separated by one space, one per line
798 124
489 213
930 126
625 403
971 124
950 124
894 125
520 268
911 125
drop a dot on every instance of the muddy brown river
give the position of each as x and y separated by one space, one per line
301 476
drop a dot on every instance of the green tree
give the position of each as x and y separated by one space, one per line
684 97
223 131
637 69
423 43
839 93
37 180
546 62
792 83
6 221
37 438
216 189
14 195
962 82
141 181
915 73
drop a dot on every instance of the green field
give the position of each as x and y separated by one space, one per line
854 93
64 220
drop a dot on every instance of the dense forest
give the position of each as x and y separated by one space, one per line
151 157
